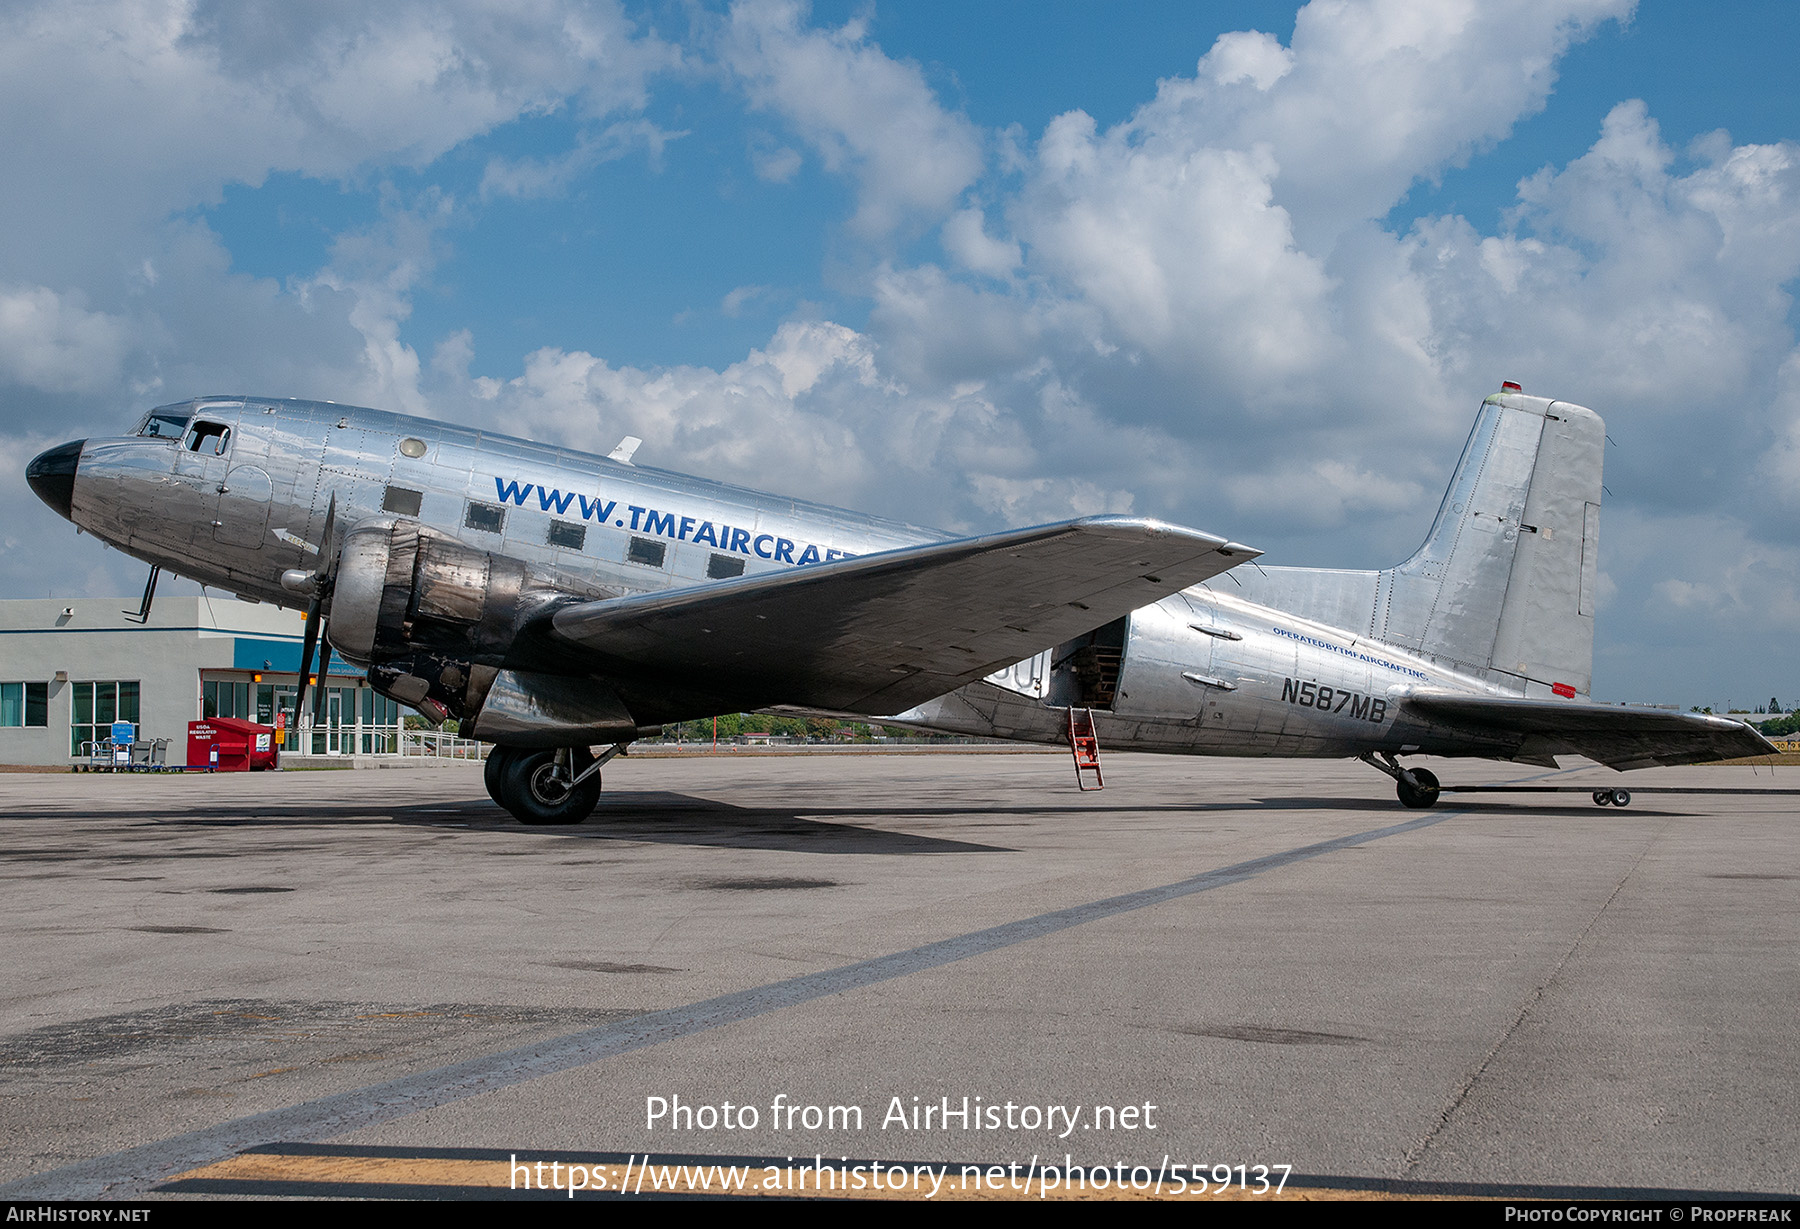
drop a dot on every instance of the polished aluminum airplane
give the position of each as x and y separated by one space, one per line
552 601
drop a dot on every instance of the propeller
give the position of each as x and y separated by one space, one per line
315 620
319 692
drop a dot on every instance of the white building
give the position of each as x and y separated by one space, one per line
68 670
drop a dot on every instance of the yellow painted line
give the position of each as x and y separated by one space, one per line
405 1171
716 1178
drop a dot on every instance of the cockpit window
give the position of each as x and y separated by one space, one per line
211 438
163 424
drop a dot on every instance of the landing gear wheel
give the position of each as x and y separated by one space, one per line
1602 797
1621 798
1421 791
493 772
535 788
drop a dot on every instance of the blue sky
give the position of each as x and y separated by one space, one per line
1246 266
626 261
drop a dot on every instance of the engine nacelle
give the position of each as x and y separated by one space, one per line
525 708
435 621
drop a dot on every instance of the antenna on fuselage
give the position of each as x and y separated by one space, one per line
625 451
143 610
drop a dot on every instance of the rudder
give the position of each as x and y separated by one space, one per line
1505 580
1504 584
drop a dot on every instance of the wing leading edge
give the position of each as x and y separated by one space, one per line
1617 737
880 633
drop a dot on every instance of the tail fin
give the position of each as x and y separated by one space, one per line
1504 584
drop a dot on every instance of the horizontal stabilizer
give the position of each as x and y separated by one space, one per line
883 632
1618 737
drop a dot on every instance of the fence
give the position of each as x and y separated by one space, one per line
440 745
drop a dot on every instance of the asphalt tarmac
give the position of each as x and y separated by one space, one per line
375 983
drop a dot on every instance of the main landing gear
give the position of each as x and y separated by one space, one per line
1612 797
1416 787
542 785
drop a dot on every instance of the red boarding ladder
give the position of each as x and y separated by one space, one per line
1086 747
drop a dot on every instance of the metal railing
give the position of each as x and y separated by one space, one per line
440 745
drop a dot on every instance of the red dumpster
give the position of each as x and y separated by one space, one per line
228 744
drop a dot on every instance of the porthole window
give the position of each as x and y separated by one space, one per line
490 518
566 535
412 447
399 499
646 551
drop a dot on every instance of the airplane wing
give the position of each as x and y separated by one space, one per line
880 633
1618 737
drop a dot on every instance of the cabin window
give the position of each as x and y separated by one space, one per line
489 517
566 535
211 438
723 567
399 499
164 424
646 551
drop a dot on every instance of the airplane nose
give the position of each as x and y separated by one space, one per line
52 475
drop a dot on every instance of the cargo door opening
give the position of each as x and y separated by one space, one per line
1084 672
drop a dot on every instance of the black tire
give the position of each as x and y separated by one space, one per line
533 790
1602 797
1423 794
1621 798
493 773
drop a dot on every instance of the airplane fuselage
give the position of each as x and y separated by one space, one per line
1208 673
234 492
240 496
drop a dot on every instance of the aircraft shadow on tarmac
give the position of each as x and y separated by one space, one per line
667 818
1485 810
661 817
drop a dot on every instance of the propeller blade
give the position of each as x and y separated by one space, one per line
309 643
315 614
315 619
327 573
327 556
319 692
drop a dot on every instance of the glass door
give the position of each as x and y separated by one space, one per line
334 721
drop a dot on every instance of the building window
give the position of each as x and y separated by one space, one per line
723 567
646 551
399 499
489 517
24 705
353 719
381 723
93 707
225 699
564 534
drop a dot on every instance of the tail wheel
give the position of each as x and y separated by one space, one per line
1421 791
535 788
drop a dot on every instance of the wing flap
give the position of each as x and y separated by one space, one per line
1619 737
880 633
